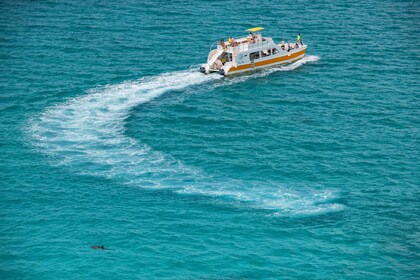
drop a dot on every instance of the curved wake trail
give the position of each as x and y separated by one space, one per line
87 134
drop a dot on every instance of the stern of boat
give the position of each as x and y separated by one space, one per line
205 68
224 71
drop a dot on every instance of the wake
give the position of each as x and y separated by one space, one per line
87 134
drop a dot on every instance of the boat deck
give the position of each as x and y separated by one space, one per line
244 44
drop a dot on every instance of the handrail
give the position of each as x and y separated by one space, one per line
247 46
211 47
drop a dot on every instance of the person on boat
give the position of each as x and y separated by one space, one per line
251 38
299 39
232 42
222 44
223 60
296 46
282 44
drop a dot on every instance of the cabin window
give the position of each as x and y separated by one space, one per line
229 57
266 53
226 57
254 55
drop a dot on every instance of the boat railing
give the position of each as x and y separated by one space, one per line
215 43
246 46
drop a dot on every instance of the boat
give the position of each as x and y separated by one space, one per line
250 53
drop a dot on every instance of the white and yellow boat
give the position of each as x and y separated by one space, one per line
250 53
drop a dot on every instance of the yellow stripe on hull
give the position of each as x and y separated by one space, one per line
266 63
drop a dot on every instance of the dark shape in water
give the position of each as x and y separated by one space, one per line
99 247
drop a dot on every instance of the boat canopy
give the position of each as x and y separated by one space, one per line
255 29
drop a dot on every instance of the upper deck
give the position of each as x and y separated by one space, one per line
246 44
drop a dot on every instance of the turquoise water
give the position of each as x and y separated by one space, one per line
111 137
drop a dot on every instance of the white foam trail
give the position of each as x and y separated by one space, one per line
89 131
300 62
87 134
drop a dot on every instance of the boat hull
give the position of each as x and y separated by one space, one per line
279 60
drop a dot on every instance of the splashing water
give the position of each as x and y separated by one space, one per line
87 134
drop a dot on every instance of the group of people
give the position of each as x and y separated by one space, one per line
252 38
231 41
289 47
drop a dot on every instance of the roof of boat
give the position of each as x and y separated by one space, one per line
255 29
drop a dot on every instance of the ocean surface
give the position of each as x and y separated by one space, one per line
110 136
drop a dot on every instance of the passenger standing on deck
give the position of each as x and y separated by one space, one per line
299 39
222 44
251 38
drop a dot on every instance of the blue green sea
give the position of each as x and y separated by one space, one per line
110 136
